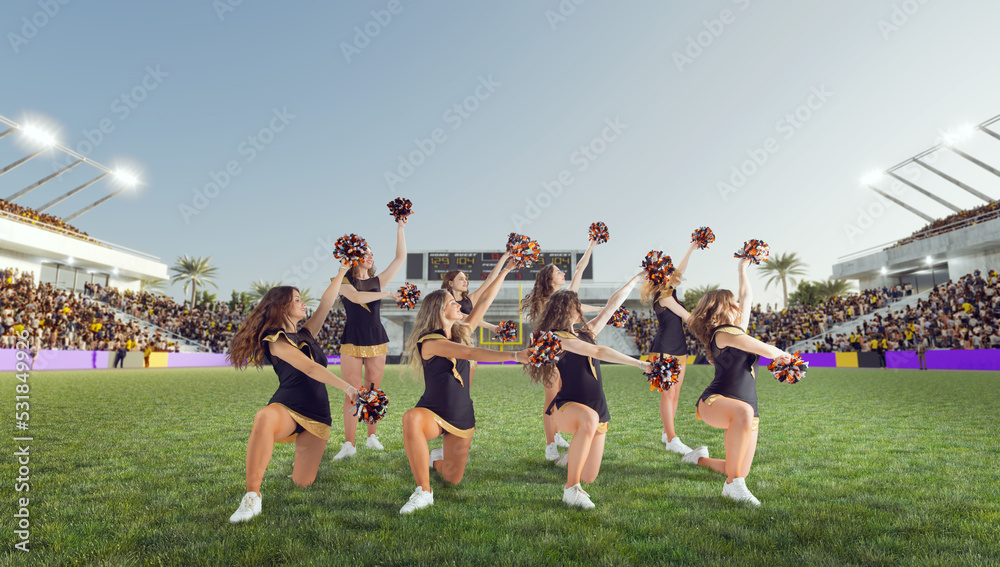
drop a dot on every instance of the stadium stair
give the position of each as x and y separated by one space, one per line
848 327
183 344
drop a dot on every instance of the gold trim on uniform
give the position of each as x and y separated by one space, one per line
317 428
274 336
602 427
463 433
711 399
590 361
454 363
364 351
729 331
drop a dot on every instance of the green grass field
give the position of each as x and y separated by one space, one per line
854 467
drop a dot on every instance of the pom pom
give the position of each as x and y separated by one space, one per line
792 372
599 232
545 348
620 317
409 295
507 332
664 372
400 208
703 237
524 250
371 405
658 266
351 248
755 250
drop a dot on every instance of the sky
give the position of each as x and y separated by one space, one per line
262 131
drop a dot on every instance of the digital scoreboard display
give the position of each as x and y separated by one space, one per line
477 265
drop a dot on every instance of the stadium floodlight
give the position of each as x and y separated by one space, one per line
952 180
930 260
872 177
126 178
70 193
70 260
38 136
901 204
957 135
885 270
923 191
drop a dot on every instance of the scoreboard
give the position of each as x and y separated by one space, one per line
433 266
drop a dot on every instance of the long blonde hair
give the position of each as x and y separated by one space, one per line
715 308
648 290
429 319
561 311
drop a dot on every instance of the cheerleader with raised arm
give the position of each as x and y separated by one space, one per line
730 401
299 411
670 341
548 281
364 342
439 348
579 406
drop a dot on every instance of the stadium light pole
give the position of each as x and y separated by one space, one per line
900 203
21 161
70 193
952 180
43 181
127 180
923 191
978 162
7 132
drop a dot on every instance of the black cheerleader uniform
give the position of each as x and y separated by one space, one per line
735 374
446 390
466 305
305 399
669 337
363 336
581 382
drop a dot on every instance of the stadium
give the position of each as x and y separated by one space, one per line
153 262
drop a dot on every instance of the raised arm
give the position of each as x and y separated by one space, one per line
489 294
604 353
449 349
746 294
614 302
474 296
311 368
315 323
392 269
581 266
749 344
676 308
682 266
354 296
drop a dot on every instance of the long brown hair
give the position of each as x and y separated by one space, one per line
648 290
560 312
429 319
715 308
534 303
446 284
245 348
353 272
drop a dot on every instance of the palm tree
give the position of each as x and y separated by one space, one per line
195 273
693 296
153 285
833 288
307 298
781 268
259 289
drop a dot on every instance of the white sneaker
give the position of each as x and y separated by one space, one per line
678 446
551 451
372 443
436 455
575 496
347 451
560 442
249 507
692 456
419 499
738 491
663 439
563 460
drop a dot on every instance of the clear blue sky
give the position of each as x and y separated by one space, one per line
882 78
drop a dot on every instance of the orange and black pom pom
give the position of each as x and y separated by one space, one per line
409 295
400 208
755 250
658 267
792 372
599 232
523 250
350 247
703 237
371 405
664 373
545 348
620 317
507 332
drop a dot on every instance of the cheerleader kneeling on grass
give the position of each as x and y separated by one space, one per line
730 401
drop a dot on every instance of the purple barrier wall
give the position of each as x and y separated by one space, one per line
902 359
815 360
195 359
963 359
335 359
8 359
70 360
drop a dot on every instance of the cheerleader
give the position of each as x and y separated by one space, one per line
457 283
364 342
670 340
730 401
579 407
299 411
548 281
439 345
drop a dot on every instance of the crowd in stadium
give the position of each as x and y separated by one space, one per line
956 221
34 217
60 319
